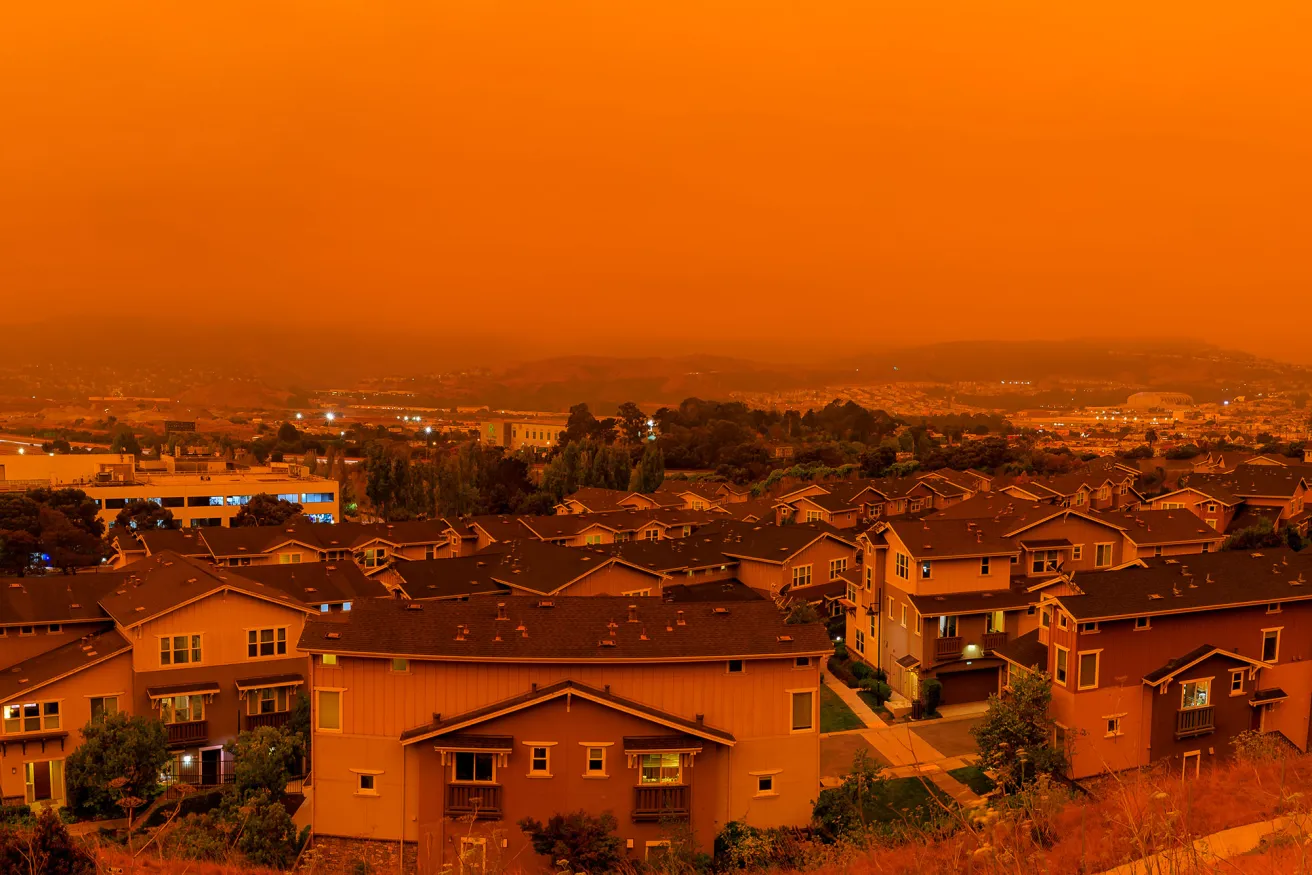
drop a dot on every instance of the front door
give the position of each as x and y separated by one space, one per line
210 765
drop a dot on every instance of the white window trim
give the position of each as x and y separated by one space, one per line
654 843
341 708
467 842
1239 673
173 665
373 773
1111 554
1211 700
287 632
545 745
773 792
1145 627
1057 648
1118 718
742 669
1279 630
815 710
605 758
1097 669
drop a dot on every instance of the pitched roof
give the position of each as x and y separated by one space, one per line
1198 582
566 629
553 691
184 541
766 543
44 668
318 583
1026 650
972 602
66 598
673 555
166 581
596 499
951 538
457 577
1150 527
1252 481
224 541
1173 667
730 590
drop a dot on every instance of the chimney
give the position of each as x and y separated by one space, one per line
501 611
633 613
681 621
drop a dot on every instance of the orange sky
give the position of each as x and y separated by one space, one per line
846 172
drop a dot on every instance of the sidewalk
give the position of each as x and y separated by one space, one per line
851 699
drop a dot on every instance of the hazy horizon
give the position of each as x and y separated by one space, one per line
754 180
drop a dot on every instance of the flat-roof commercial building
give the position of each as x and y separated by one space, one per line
197 498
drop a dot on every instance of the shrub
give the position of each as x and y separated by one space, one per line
263 760
932 691
119 746
46 849
881 675
879 690
268 837
843 671
739 846
861 671
1015 736
198 837
584 842
840 651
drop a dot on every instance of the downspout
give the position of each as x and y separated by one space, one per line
314 821
400 860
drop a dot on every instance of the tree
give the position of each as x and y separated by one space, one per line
141 514
650 473
264 509
66 545
876 461
632 423
124 441
267 835
1150 437
802 613
1015 736
288 434
1261 534
115 746
1293 539
47 850
263 760
584 842
850 807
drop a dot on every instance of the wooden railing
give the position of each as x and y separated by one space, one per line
481 800
193 730
948 648
659 801
994 640
1195 721
278 718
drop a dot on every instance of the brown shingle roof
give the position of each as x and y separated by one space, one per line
319 583
78 654
571 629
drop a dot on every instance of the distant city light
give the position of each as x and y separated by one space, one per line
298 416
21 451
329 417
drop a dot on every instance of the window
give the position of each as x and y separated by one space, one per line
926 569
1273 608
902 566
592 540
330 710
860 640
375 557
539 761
1237 682
947 627
1045 619
984 566
1102 556
1061 668
812 516
473 855
735 666
904 616
1077 552
596 762
1157 552
328 659
475 767
802 662
102 707
1113 726
765 785
995 621
837 567
31 717
430 552
1063 621
269 700
179 649
1195 694
237 500
660 768
1044 561
1270 645
181 709
1088 628
1211 508
803 705
266 642
54 629
870 576
44 781
400 666
289 558
1088 666
1142 623
802 575
316 498
365 785
891 608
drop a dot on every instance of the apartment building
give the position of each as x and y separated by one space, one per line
196 498
1252 492
940 595
1171 658
514 434
443 724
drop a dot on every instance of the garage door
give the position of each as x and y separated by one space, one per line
975 685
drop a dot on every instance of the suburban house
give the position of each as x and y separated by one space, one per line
1170 658
1229 502
582 529
445 723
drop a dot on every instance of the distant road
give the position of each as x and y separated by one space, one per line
26 441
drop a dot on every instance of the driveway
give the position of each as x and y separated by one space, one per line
837 752
951 738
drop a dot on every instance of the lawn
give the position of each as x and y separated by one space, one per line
869 698
974 778
899 798
835 716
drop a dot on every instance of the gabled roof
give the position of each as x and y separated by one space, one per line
1252 481
186 542
555 691
1026 651
766 543
595 499
959 603
223 541
23 678
564 629
165 582
1147 528
65 598
1180 664
318 583
950 539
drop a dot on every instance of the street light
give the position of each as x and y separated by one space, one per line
329 416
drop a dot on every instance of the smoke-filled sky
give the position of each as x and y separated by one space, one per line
625 175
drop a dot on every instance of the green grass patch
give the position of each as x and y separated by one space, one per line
974 778
835 716
899 799
869 698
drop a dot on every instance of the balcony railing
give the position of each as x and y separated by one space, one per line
278 718
660 801
481 800
948 648
1195 721
994 640
185 733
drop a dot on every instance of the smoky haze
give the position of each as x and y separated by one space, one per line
499 181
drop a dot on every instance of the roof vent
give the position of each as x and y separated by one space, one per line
784 638
606 642
501 611
1153 595
681 621
414 606
720 610
333 636
546 603
311 589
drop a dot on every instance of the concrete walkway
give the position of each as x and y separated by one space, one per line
1209 850
851 699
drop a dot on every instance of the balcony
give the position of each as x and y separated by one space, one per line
948 648
660 801
187 733
1195 721
255 721
481 800
994 640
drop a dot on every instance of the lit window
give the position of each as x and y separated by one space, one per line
328 659
400 665
660 768
1195 694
